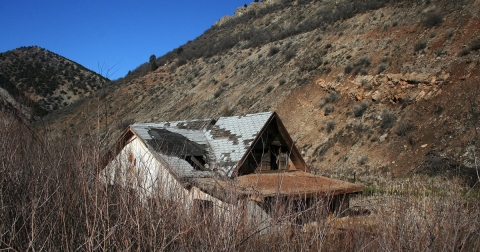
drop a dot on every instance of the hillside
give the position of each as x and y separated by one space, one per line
371 89
43 80
384 94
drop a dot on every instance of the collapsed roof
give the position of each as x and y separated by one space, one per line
199 147
205 152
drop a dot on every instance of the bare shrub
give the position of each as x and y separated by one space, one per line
282 82
329 109
301 81
102 93
180 62
475 45
388 119
404 127
218 92
290 54
330 126
362 159
363 61
440 51
322 103
433 19
273 50
359 128
464 52
348 69
358 110
269 89
449 33
363 82
52 198
310 63
333 97
419 45
382 67
361 71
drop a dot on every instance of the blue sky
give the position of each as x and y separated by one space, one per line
108 32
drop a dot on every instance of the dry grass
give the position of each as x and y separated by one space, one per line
51 199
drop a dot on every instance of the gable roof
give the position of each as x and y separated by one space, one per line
224 142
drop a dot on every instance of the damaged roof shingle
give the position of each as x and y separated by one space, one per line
224 142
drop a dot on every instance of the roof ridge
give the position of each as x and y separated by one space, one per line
226 140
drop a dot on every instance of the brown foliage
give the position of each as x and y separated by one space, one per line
51 198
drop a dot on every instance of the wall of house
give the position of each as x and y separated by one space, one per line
137 167
258 217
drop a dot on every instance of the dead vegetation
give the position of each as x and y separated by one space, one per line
415 120
51 199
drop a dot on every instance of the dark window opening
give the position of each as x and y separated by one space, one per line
284 149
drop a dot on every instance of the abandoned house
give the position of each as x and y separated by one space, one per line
206 160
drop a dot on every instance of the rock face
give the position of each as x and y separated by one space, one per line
252 6
391 87
240 11
222 20
8 102
272 1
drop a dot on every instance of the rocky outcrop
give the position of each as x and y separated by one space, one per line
7 101
392 88
272 1
400 87
222 20
242 10
252 6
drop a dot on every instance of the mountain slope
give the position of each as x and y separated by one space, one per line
43 80
379 93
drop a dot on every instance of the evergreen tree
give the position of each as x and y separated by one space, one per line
153 64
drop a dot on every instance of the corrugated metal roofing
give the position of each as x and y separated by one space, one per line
225 141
